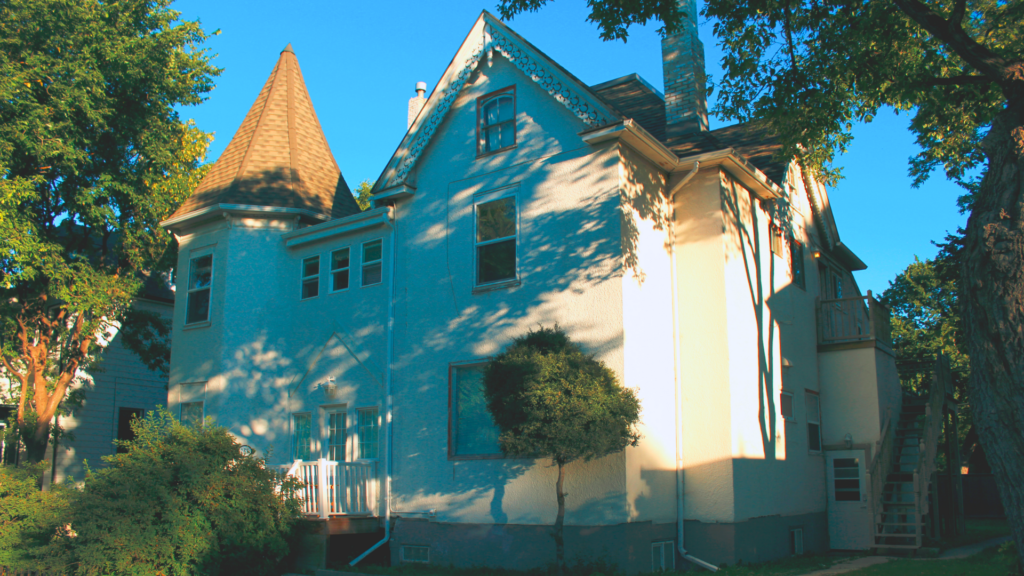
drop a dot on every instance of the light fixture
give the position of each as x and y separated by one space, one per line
817 254
328 387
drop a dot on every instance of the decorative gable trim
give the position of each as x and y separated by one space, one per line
490 35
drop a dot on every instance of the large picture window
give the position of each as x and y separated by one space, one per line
496 225
496 121
200 281
473 432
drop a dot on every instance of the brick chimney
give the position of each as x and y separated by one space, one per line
416 102
682 58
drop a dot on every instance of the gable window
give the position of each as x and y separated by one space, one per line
339 269
372 260
813 422
496 121
367 431
472 428
311 277
496 225
302 435
796 263
200 279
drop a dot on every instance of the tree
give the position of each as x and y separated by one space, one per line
808 69
363 195
551 400
180 501
93 155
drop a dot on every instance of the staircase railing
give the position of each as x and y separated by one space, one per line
881 463
855 319
941 384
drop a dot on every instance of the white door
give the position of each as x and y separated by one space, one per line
849 518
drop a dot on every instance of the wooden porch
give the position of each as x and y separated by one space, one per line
344 494
853 320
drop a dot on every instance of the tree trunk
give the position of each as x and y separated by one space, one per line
993 309
35 446
560 519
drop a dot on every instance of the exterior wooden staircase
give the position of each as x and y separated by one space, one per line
901 512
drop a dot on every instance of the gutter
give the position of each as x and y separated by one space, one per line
389 359
680 502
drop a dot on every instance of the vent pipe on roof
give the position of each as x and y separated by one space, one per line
416 102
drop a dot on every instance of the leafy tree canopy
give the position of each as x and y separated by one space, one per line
93 155
363 195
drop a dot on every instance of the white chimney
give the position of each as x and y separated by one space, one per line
416 102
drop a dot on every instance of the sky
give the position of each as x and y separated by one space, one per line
361 61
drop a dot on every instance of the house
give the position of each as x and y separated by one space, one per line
707 273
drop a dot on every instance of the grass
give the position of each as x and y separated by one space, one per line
978 530
792 566
994 561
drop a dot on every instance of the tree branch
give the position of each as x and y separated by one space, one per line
956 18
957 80
953 36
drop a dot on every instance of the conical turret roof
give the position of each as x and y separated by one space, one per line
279 156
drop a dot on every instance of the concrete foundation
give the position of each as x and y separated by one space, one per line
757 539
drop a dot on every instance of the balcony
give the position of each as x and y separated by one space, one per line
852 320
332 488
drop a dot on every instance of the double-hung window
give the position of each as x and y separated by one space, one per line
796 263
200 280
813 422
311 277
367 428
372 261
337 435
496 232
339 269
472 428
302 436
496 121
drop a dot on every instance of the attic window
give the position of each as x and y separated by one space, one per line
496 121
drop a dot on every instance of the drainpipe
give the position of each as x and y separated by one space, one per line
680 508
389 359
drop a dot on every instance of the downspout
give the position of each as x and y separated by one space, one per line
680 508
389 359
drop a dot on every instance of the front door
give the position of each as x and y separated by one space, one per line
849 519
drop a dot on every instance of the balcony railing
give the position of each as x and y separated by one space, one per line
336 488
856 319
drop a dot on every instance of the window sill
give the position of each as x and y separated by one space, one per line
496 286
498 151
197 325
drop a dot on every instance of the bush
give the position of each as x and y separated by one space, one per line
28 516
181 501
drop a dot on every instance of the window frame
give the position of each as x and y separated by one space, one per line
306 279
325 431
189 290
363 263
348 269
797 264
357 452
792 415
664 544
816 421
295 438
418 546
480 103
486 198
452 455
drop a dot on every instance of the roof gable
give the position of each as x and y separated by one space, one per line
279 156
487 37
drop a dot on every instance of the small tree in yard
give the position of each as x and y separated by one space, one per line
551 400
182 501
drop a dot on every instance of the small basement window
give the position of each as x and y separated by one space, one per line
796 541
663 556
419 554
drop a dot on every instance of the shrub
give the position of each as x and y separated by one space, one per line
28 516
181 501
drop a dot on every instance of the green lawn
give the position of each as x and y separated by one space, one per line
978 530
785 567
991 562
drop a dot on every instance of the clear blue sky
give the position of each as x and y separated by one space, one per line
361 61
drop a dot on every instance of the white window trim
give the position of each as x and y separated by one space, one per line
304 278
483 198
362 263
192 257
330 273
796 536
354 436
671 546
405 559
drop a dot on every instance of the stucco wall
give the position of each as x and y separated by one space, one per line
849 393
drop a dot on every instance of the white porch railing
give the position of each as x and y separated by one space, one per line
336 488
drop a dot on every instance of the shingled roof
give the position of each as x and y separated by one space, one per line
279 156
750 139
634 98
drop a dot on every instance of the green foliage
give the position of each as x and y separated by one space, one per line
182 501
614 17
362 194
550 400
93 155
28 516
